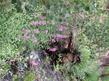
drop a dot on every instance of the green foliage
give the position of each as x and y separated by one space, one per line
10 27
85 69
30 76
7 51
88 66
91 22
11 24
5 5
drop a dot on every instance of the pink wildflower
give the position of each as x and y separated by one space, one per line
36 31
25 31
42 17
26 34
34 63
38 23
46 31
42 22
59 37
53 40
53 49
26 37
34 40
62 27
35 23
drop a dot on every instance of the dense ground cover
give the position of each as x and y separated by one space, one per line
33 23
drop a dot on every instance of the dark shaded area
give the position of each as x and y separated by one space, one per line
60 51
8 76
17 4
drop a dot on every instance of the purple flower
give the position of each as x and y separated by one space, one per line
25 34
53 49
53 40
46 31
38 23
25 31
26 37
59 36
34 63
36 31
42 17
34 40
62 28
42 22
35 23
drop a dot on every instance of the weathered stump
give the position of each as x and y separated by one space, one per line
104 67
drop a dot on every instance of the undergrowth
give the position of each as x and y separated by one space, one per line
35 24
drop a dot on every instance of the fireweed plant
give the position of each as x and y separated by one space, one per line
66 62
59 50
39 31
50 31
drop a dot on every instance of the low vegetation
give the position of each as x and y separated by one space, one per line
54 40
